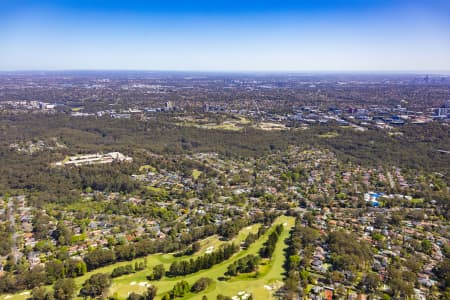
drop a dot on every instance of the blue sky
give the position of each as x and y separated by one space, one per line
352 35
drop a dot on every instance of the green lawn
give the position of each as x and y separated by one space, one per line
270 275
196 173
147 168
152 260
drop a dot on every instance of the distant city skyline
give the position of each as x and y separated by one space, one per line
264 36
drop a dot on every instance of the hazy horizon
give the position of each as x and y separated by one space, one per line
255 36
238 72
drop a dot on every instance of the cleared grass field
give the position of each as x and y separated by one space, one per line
270 126
329 135
234 123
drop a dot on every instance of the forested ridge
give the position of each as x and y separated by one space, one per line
416 148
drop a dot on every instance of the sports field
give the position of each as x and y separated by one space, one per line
261 285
